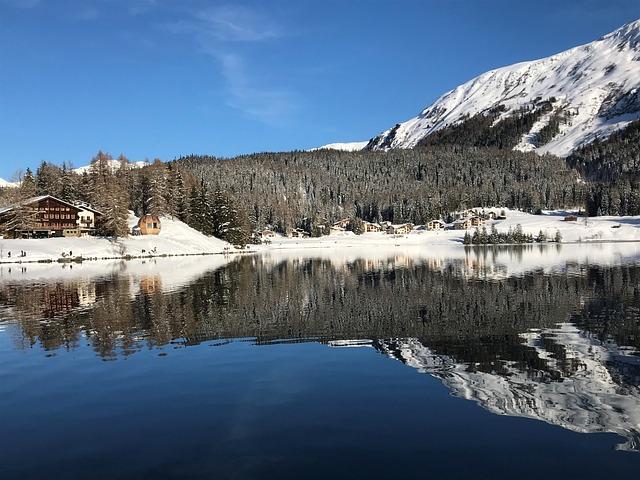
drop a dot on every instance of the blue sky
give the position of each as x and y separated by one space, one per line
162 78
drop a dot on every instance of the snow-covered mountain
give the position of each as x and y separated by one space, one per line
595 87
6 184
114 164
347 147
599 395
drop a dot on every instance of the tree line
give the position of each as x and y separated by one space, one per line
465 166
310 189
114 187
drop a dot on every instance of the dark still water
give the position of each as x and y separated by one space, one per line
441 364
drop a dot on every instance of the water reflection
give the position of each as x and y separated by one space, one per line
555 340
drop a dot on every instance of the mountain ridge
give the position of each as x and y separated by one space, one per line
594 90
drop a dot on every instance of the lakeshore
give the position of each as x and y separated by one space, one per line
177 239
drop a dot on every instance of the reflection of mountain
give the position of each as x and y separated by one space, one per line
586 385
542 345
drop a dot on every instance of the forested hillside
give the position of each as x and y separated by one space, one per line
417 185
230 197
613 165
117 187
489 130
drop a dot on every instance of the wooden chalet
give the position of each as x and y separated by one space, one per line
267 234
435 225
45 216
87 217
341 224
462 224
399 229
476 221
297 233
372 227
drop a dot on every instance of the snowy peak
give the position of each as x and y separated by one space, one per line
594 90
114 165
345 147
6 184
627 35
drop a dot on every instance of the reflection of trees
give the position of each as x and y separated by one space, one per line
472 319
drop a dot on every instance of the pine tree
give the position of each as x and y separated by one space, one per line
542 237
110 196
176 194
356 226
156 203
21 219
68 184
228 221
494 237
558 237
27 185
48 181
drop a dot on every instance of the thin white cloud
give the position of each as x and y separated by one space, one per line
216 29
233 23
272 106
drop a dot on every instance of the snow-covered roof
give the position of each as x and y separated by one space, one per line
86 206
39 198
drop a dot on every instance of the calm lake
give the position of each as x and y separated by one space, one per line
416 363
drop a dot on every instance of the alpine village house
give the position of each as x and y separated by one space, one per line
47 216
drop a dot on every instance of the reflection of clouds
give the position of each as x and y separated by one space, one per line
590 394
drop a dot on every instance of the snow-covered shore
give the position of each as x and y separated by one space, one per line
177 239
595 229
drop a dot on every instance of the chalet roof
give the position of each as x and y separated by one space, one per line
39 198
86 206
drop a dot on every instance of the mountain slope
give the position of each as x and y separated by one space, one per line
593 90
114 165
345 147
5 184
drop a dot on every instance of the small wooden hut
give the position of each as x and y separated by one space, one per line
149 225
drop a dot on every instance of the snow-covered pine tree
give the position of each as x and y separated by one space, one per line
156 203
228 221
27 185
110 197
48 179
200 216
176 193
22 218
68 184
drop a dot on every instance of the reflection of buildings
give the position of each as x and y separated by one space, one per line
49 300
86 293
151 284
59 299
587 386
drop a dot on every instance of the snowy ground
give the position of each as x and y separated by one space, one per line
176 238
596 229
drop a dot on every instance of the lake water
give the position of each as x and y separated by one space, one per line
416 363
